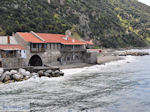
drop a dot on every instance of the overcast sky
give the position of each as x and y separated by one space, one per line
145 1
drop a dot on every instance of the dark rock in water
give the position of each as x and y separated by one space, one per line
57 72
41 73
61 73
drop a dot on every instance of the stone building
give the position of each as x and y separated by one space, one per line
11 53
51 49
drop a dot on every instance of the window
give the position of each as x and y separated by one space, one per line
34 45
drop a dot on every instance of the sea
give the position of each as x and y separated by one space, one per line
118 86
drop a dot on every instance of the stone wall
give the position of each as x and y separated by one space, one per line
13 62
90 57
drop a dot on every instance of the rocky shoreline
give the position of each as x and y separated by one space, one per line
12 75
133 53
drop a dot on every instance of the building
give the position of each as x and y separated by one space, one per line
11 53
53 49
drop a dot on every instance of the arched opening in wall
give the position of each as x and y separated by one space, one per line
35 61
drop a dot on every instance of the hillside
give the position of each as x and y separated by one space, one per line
110 23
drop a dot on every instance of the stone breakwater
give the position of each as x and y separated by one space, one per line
15 75
133 53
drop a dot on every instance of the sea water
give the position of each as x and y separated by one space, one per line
119 86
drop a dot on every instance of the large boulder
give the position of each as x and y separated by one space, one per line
41 73
2 77
35 75
1 70
22 71
61 73
17 77
7 78
13 71
49 71
9 74
47 74
28 73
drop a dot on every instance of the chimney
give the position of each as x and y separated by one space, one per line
8 39
67 34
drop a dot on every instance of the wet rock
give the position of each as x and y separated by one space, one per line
2 77
49 71
27 77
18 77
41 73
61 73
22 71
46 74
57 72
13 72
8 73
28 73
35 74
7 78
1 70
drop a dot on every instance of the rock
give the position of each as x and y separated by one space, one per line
28 73
53 74
41 73
27 77
2 77
133 53
57 71
22 71
46 74
13 72
7 78
1 70
35 74
8 73
49 71
61 73
18 77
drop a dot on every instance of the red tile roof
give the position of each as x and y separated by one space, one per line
51 38
58 38
29 37
11 47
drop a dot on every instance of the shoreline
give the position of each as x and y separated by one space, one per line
101 60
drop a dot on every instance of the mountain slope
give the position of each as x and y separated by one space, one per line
110 23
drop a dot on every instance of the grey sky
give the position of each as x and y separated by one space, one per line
145 1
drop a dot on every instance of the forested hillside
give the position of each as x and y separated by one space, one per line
110 23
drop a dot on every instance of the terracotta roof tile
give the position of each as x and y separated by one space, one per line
30 37
51 38
58 38
11 47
